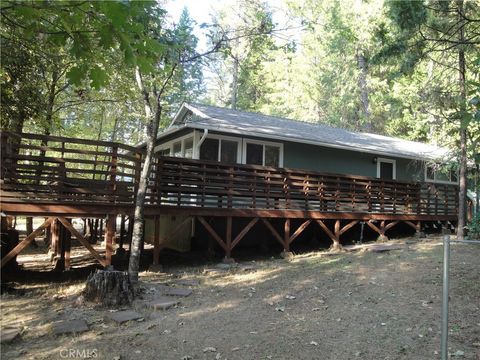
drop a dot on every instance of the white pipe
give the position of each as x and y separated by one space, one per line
202 139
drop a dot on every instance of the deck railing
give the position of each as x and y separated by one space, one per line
52 169
195 183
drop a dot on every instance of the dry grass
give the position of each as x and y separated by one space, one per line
355 305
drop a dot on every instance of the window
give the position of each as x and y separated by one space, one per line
177 149
386 169
272 156
254 154
440 174
188 148
263 153
209 150
182 147
164 152
228 151
219 149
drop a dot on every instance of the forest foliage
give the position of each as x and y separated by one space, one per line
382 66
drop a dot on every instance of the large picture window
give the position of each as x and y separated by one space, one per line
440 174
263 153
220 149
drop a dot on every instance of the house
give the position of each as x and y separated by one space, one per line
232 137
223 175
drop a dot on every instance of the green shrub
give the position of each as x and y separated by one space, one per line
474 227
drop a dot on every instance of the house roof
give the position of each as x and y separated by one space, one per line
258 125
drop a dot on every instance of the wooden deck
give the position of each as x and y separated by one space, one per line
62 177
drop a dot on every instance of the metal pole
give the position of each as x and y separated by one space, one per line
446 266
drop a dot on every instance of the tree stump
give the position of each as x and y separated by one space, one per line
109 288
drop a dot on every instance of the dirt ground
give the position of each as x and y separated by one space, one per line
353 305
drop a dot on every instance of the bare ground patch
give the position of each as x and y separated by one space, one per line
354 305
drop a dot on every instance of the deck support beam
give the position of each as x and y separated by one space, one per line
338 231
417 227
383 228
300 229
274 232
244 231
212 233
82 240
23 244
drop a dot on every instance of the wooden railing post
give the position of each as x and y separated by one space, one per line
113 172
230 187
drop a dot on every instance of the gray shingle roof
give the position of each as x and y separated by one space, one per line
258 125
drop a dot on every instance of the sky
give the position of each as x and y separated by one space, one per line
201 11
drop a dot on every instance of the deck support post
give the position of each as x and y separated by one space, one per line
111 225
286 236
381 229
55 238
336 238
156 241
228 241
66 246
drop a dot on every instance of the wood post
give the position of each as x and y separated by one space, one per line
80 238
111 225
286 236
337 232
228 241
66 247
55 238
336 239
382 228
156 241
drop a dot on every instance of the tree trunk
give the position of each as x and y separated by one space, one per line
477 190
109 288
463 126
234 83
365 121
138 223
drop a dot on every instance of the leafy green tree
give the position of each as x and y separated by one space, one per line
188 83
445 33
240 67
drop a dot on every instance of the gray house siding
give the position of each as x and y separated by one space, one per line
331 160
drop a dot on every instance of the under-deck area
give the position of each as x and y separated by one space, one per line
63 178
